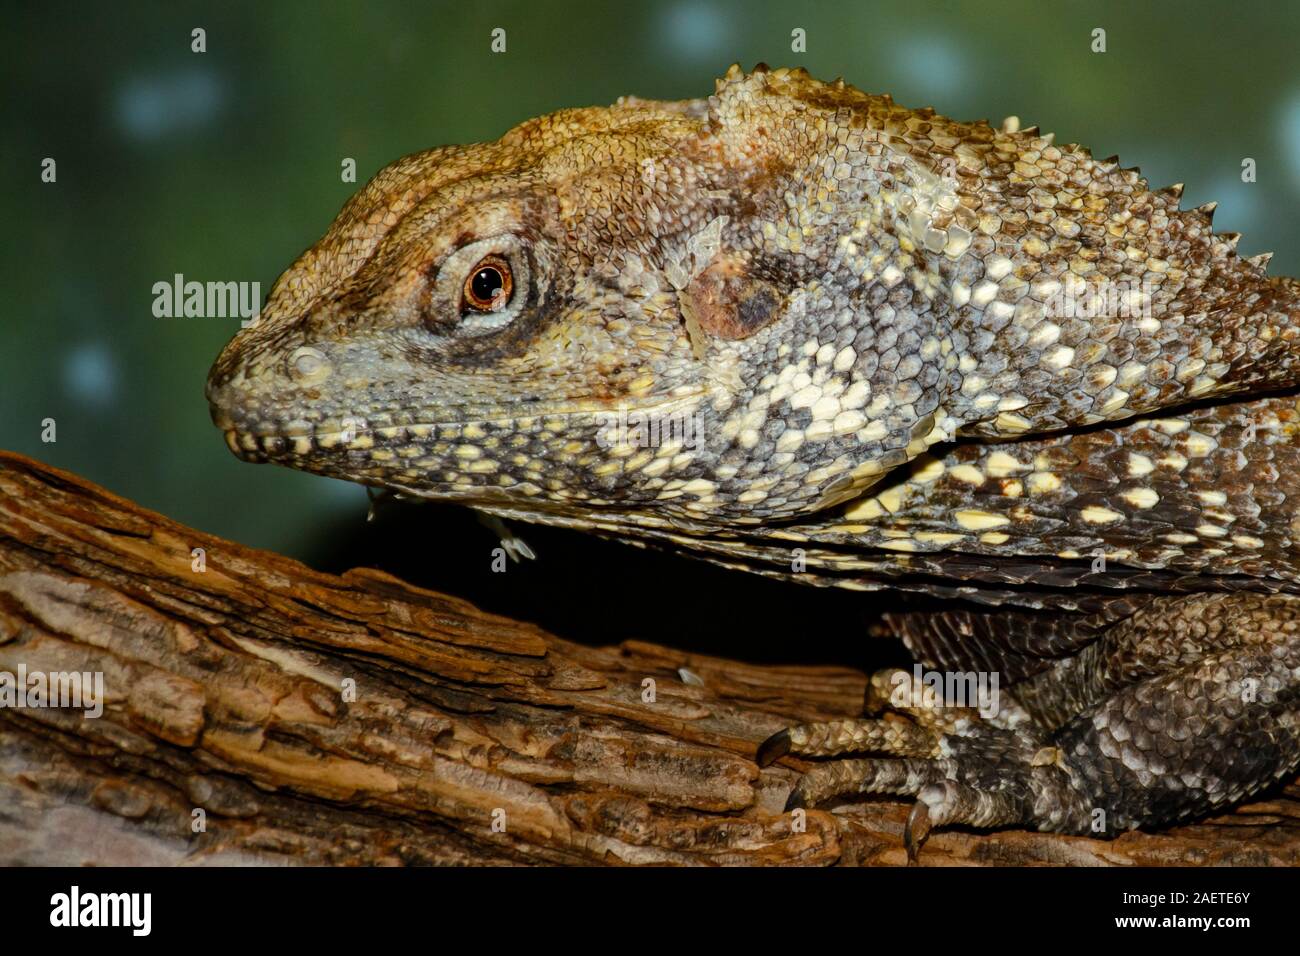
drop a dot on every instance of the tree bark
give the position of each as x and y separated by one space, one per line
258 711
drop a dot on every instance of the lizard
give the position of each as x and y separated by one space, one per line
914 353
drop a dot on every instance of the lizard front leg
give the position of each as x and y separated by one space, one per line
1189 704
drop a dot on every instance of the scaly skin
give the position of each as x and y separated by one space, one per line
878 323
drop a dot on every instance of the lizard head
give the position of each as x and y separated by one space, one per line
468 315
590 313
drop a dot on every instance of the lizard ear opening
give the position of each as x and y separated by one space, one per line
727 301
481 287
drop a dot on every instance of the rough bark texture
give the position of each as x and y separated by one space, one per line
224 693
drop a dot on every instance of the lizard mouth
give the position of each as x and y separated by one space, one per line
258 444
289 447
260 449
295 442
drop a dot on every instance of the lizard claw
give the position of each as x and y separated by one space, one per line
377 500
516 547
773 748
916 831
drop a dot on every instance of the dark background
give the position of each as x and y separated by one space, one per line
225 165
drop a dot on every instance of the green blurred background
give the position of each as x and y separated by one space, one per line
225 165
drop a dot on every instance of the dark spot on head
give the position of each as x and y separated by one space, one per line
757 309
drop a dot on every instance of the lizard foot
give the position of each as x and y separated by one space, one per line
1174 709
963 768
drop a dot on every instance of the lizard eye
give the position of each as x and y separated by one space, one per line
480 288
488 286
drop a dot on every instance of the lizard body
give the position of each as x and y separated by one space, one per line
931 355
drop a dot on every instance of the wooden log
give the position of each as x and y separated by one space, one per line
256 710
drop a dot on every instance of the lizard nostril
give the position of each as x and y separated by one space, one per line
307 366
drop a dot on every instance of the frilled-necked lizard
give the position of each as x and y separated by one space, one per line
798 329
